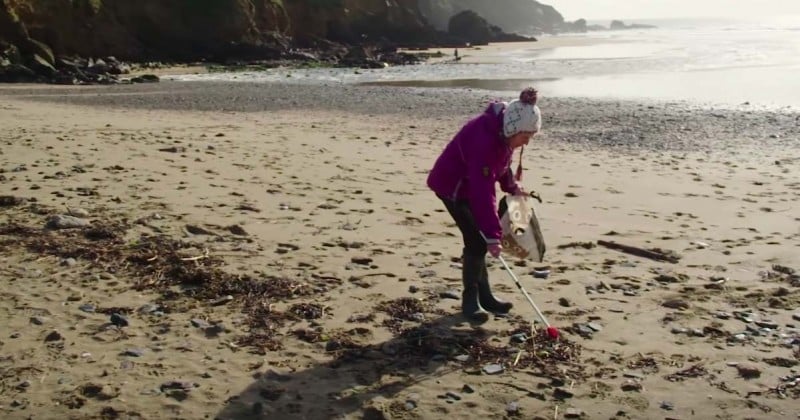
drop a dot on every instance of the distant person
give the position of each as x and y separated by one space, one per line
464 178
455 54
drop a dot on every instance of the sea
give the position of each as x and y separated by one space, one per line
714 62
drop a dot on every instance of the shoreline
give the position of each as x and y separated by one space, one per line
321 189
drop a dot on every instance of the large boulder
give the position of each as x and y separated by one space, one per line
475 30
514 16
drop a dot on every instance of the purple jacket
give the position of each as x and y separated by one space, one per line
471 163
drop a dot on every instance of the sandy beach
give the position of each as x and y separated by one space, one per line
250 251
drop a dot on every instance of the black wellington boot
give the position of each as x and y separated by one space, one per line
485 296
471 275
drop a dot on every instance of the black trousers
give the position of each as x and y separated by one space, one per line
474 244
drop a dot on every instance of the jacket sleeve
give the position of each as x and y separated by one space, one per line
507 182
482 190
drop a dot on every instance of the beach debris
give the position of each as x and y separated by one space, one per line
694 371
573 413
493 369
653 254
541 273
584 245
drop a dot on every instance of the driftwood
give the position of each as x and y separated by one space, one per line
646 253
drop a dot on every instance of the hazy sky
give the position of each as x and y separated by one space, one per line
627 9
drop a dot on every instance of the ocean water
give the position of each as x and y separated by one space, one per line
725 63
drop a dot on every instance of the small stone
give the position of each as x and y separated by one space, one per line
453 395
180 385
450 294
519 338
24 385
633 375
87 307
512 408
541 274
133 352
418 316
796 316
666 405
768 324
748 371
15 335
697 332
78 212
199 323
65 222
410 405
562 394
467 389
493 369
722 315
463 358
678 304
564 302
147 308
573 413
223 300
119 320
739 337
631 385
679 330
595 326
53 336
38 320
413 289
69 262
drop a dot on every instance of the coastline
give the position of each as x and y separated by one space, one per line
327 182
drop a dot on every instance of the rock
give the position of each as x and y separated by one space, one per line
119 320
768 324
666 405
519 338
493 369
678 304
748 371
53 336
145 78
133 352
147 308
450 294
413 289
631 385
595 326
467 389
87 307
237 230
374 413
453 395
199 323
564 302
69 262
223 300
722 315
796 316
679 330
78 213
38 320
65 222
562 394
180 385
463 358
573 413
541 274
512 408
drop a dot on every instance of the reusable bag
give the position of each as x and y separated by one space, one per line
522 236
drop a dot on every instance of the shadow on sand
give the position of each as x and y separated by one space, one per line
358 374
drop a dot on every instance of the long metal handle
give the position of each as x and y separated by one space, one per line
514 277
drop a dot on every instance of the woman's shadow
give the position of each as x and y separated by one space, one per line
355 375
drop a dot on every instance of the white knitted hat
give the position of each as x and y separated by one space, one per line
522 114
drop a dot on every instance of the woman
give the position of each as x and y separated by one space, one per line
464 177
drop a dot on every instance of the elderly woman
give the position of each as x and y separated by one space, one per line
464 178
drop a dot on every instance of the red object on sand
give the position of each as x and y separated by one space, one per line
552 332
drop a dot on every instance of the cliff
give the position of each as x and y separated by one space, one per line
41 38
516 16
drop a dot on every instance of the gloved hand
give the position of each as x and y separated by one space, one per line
494 249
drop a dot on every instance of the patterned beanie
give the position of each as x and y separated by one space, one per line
522 114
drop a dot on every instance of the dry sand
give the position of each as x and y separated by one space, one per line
330 201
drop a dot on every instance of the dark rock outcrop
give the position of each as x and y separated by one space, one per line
476 30
513 16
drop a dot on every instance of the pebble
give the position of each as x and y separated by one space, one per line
453 395
631 385
541 274
79 213
493 369
199 323
512 408
450 294
87 307
413 289
223 300
147 308
666 405
133 352
564 302
573 413
65 222
519 338
119 320
467 389
562 394
38 320
462 358
768 324
595 326
722 315
53 336
679 330
69 262
796 316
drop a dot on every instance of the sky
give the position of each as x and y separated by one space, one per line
663 9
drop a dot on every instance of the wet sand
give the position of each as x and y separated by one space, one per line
307 206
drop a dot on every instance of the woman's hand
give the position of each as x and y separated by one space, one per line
520 191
